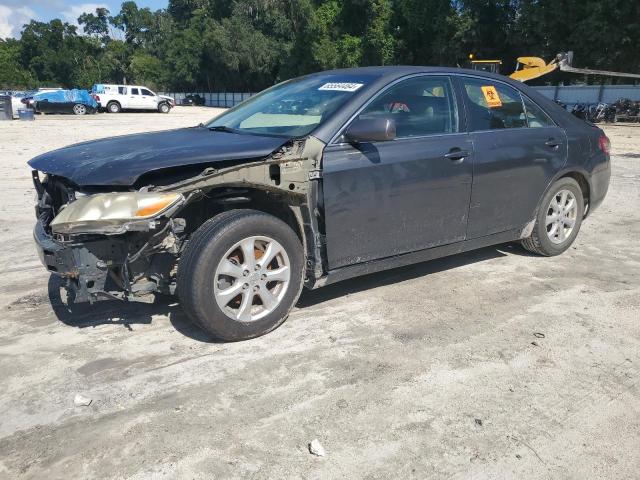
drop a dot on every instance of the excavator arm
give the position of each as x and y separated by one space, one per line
532 67
529 68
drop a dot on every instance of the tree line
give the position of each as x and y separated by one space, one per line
247 45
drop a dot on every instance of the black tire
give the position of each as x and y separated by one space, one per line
204 251
79 109
164 108
539 242
113 107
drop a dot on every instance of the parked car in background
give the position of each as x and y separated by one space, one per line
193 99
313 181
115 98
27 98
78 102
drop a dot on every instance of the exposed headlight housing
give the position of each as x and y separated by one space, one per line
115 213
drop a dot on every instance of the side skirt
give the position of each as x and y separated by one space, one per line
405 259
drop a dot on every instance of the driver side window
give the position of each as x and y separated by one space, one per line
419 106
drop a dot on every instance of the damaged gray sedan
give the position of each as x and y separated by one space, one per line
316 180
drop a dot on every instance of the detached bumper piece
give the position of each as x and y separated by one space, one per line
78 264
99 267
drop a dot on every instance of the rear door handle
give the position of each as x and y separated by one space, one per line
552 143
457 155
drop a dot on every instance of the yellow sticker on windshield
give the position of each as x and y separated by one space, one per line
491 96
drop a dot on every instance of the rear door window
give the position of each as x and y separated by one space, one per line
122 90
493 105
134 91
419 106
536 117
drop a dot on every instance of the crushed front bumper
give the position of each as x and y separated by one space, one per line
85 273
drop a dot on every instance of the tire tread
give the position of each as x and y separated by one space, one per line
208 233
533 242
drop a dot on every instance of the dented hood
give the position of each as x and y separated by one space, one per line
122 160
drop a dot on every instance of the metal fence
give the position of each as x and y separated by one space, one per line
570 95
590 94
213 99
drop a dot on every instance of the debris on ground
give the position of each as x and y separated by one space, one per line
538 335
478 422
316 448
81 401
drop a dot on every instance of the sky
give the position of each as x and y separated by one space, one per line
15 13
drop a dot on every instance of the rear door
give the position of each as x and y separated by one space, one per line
135 98
387 198
517 151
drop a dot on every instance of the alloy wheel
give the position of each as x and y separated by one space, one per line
561 216
252 278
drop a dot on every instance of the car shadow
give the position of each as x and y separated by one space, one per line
374 280
117 312
127 314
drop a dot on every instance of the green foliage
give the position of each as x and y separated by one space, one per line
96 25
251 44
12 73
146 69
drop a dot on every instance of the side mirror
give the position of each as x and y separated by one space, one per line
371 130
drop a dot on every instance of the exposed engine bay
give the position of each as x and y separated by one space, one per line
125 244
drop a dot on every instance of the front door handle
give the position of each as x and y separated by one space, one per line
457 155
552 143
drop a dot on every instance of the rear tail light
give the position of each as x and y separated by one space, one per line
604 144
96 98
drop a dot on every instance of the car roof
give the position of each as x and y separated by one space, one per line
401 70
123 85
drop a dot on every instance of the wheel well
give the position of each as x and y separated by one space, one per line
584 186
218 200
113 101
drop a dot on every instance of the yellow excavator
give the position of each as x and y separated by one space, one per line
529 68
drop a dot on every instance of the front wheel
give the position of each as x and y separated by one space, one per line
558 219
164 108
240 274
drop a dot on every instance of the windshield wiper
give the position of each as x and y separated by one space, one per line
223 128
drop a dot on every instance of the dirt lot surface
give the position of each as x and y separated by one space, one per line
491 364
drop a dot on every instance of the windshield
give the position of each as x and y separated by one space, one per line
293 108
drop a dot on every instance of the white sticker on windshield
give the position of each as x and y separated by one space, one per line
341 86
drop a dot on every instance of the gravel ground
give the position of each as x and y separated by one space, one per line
490 364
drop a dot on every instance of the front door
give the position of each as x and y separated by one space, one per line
388 198
149 99
517 151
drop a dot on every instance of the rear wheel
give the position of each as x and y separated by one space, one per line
79 109
240 274
113 107
558 220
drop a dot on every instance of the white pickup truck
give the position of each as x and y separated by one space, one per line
115 98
